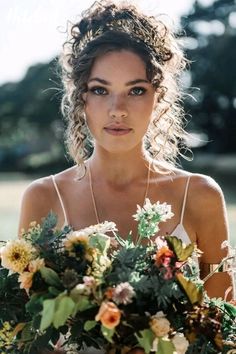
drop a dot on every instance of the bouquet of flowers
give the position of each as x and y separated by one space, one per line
95 289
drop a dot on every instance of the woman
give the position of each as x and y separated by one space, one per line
120 70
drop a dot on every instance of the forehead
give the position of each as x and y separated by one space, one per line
119 64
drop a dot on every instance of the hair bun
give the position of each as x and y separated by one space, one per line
84 26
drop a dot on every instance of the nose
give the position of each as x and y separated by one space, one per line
118 108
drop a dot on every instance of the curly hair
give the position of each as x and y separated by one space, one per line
107 27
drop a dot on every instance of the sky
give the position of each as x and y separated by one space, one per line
32 31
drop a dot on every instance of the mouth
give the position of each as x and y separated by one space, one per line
118 130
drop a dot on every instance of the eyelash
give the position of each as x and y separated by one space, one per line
95 90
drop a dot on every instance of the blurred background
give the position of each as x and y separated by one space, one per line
31 125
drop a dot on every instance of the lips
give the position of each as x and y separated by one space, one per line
117 130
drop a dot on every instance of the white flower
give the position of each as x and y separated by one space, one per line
123 293
180 342
163 210
102 228
160 242
82 289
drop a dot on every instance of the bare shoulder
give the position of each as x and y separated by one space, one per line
207 207
203 187
42 190
39 191
37 201
39 198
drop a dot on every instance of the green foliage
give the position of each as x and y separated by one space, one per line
145 339
213 57
50 276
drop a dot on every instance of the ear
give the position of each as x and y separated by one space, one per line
84 96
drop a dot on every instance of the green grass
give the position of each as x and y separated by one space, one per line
13 185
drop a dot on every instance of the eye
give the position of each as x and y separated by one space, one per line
98 90
137 91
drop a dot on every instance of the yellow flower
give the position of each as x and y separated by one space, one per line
16 255
5 336
109 315
77 245
75 237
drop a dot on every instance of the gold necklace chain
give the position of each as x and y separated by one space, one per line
93 196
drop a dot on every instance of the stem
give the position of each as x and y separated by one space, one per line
216 269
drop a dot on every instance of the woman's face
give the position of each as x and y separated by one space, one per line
119 101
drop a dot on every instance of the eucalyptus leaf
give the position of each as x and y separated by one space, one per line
165 346
100 241
50 276
82 304
47 313
64 308
89 325
146 339
108 333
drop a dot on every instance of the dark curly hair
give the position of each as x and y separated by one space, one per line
107 27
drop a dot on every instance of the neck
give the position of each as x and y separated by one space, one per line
118 169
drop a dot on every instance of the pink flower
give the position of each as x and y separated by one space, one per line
123 293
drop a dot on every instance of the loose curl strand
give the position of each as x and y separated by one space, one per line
107 27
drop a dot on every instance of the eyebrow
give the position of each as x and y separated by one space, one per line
129 83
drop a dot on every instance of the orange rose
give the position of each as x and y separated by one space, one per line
108 314
163 256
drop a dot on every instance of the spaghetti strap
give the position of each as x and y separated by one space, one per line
184 200
60 199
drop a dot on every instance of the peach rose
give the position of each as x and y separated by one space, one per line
25 279
160 325
108 314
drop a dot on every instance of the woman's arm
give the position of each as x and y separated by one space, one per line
210 221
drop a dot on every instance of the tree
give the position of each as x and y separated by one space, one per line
211 38
30 119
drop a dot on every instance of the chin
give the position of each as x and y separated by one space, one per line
120 148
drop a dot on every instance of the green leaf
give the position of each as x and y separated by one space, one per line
50 276
100 242
146 339
165 346
89 325
64 308
182 251
50 221
47 313
27 333
108 333
82 303
194 294
54 291
231 309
